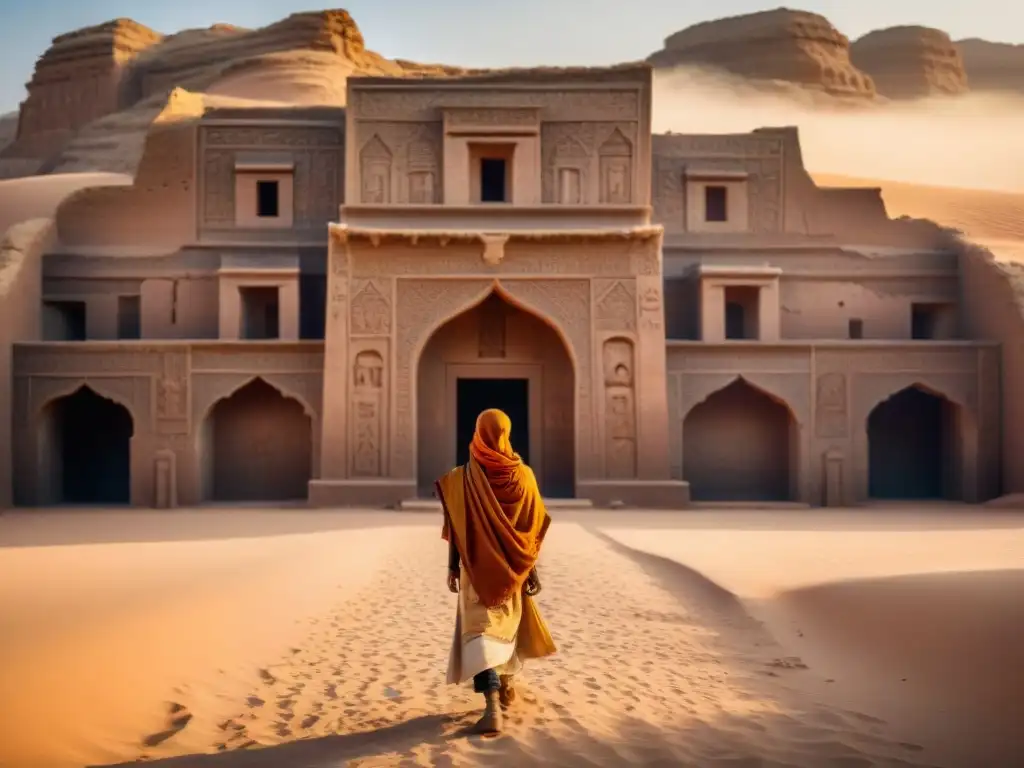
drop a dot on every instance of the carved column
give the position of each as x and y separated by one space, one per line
651 386
334 428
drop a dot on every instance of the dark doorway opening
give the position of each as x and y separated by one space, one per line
476 395
739 445
94 443
910 449
492 180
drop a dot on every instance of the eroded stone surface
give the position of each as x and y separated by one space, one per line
910 62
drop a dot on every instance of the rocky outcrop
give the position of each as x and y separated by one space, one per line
8 128
89 77
77 80
910 62
781 45
993 66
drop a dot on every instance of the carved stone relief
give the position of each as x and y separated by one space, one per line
616 169
570 164
830 417
219 188
269 137
172 394
493 327
338 288
422 173
371 309
375 160
491 117
368 403
620 408
651 312
616 305
620 258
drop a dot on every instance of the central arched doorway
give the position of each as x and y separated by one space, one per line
497 355
740 444
86 450
913 450
256 445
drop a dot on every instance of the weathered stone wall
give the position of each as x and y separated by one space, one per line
992 297
21 279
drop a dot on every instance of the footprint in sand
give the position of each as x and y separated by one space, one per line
177 718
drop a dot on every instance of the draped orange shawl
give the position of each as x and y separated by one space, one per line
493 508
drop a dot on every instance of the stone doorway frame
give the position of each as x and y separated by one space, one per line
534 375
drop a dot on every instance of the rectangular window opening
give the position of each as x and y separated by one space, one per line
64 320
260 312
856 328
268 200
129 317
493 180
716 201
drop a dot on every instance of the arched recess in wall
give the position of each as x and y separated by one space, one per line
915 446
84 448
496 352
255 445
741 444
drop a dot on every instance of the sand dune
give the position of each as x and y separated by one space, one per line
330 648
37 197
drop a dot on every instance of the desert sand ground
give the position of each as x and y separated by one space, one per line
275 638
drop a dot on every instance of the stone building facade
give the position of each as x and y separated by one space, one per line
316 303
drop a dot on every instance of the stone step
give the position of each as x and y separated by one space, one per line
433 505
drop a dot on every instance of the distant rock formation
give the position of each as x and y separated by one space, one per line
910 62
77 80
993 66
8 128
791 46
88 75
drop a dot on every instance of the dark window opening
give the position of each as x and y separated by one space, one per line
129 317
312 306
923 321
64 320
260 313
735 321
715 203
742 307
267 199
856 328
493 180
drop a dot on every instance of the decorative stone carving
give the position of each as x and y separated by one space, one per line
218 188
368 408
172 394
338 280
512 117
375 171
422 173
493 327
620 408
651 312
371 310
616 306
264 137
830 417
570 186
423 104
494 249
616 169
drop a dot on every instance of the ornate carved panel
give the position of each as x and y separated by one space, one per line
422 170
172 394
375 171
615 309
830 417
491 117
218 188
368 405
619 408
616 169
421 104
652 315
371 308
271 137
338 281
626 258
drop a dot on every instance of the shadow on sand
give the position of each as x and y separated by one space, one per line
401 738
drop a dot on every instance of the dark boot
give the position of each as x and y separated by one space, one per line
507 692
491 722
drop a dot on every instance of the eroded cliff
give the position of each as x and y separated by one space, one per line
993 66
781 45
910 62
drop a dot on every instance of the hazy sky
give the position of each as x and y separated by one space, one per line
483 32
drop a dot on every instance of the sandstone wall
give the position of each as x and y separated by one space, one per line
992 296
910 62
77 80
793 46
21 281
993 66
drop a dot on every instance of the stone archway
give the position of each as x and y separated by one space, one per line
741 444
85 450
256 445
496 354
914 447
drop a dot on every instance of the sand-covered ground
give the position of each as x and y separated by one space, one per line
294 638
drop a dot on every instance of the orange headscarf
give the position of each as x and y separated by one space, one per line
493 508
